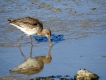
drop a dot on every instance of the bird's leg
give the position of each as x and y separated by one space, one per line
21 52
21 39
31 41
31 47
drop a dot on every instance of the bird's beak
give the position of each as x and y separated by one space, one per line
50 43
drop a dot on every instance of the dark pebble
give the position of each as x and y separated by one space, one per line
51 76
58 76
93 8
66 76
63 79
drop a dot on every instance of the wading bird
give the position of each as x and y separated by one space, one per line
31 26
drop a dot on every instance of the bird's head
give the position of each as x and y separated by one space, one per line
46 32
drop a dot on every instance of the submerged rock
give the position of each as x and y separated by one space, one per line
44 5
53 77
57 10
93 8
84 74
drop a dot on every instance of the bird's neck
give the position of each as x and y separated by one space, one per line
41 33
44 59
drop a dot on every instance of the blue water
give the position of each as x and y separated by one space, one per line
78 36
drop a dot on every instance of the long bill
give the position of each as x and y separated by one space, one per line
49 40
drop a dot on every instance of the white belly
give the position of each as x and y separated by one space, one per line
27 31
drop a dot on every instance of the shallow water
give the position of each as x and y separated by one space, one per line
82 25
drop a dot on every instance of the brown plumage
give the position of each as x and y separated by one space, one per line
31 26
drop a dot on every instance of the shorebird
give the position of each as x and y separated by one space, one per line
31 26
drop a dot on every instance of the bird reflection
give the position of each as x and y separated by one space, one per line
32 65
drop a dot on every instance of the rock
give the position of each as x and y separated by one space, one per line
84 74
62 79
93 8
74 11
57 10
44 5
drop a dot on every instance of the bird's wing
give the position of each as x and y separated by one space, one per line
26 25
26 22
30 20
